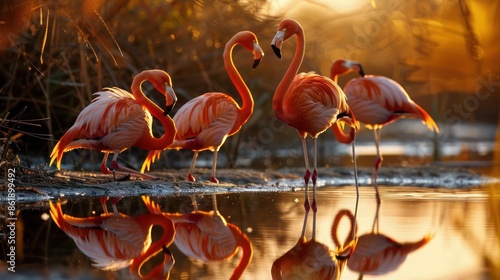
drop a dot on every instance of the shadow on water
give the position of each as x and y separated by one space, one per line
271 223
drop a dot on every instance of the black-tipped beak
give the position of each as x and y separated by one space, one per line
277 51
166 250
168 109
361 71
256 63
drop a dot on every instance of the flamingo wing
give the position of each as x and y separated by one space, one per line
205 236
377 254
113 122
205 122
306 260
378 100
312 103
110 247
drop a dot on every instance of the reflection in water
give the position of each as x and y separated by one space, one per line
273 222
311 260
114 241
206 236
375 253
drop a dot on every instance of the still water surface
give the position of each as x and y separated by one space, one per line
460 223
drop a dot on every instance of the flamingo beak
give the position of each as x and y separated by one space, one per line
171 99
169 261
277 42
361 71
258 54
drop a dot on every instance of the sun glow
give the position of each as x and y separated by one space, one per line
339 6
347 6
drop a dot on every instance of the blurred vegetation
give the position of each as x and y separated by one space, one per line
55 54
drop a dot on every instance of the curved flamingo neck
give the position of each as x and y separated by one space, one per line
287 79
246 109
246 248
150 142
146 222
336 70
335 226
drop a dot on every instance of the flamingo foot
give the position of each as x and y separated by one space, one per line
128 171
214 180
104 169
191 178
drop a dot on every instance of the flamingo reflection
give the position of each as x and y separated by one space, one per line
376 253
206 236
312 260
114 241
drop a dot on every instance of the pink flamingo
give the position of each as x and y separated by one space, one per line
114 241
311 104
205 122
117 120
206 236
378 101
375 253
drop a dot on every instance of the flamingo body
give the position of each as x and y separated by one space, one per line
115 241
117 120
378 254
377 101
311 104
206 121
310 260
206 236
113 122
375 253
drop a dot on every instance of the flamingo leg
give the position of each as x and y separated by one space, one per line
214 179
307 176
214 203
194 203
357 187
190 176
375 225
378 163
314 177
104 168
103 204
124 170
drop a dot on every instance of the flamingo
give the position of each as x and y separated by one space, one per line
206 236
114 241
378 101
376 253
312 260
117 120
206 121
311 104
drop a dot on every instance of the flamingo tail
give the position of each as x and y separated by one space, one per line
427 119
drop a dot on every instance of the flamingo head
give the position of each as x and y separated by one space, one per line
250 42
286 29
344 66
170 97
